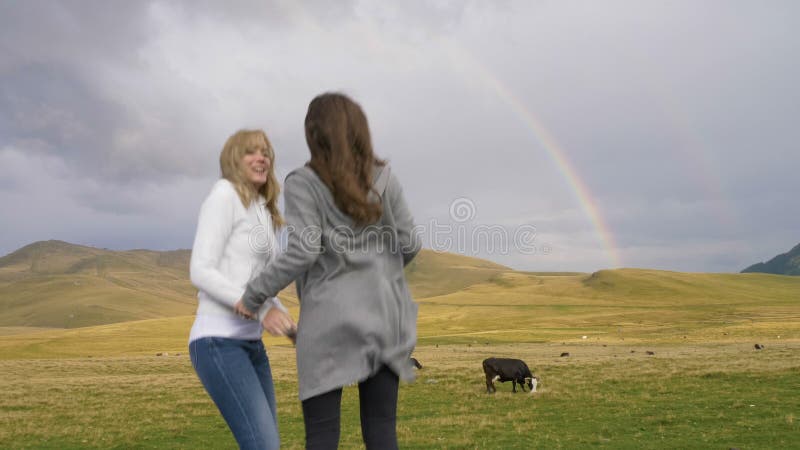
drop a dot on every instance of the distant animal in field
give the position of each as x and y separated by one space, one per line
507 369
416 363
650 353
565 354
758 347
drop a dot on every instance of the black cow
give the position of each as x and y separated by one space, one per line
506 369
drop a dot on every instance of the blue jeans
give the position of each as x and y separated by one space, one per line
237 376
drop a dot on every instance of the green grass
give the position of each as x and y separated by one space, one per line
102 386
683 397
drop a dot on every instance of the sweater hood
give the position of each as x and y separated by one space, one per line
326 202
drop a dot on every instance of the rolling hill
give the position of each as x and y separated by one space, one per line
56 284
784 264
62 285
59 285
626 306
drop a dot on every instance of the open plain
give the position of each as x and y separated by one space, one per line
704 385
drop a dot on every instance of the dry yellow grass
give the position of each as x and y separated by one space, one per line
610 307
102 386
60 285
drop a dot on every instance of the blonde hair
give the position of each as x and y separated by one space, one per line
230 163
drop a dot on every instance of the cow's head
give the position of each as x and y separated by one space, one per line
532 382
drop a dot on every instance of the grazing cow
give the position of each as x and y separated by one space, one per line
758 347
416 363
506 369
565 354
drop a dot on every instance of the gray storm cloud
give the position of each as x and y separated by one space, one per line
678 118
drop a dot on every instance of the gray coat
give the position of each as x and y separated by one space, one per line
356 312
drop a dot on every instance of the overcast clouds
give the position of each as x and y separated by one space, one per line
680 117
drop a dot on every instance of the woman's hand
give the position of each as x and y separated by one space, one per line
278 323
242 310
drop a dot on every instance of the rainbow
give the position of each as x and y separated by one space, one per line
549 143
462 57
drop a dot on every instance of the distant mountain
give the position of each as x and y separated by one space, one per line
62 285
785 264
59 258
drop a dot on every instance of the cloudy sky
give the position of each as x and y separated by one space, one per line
660 134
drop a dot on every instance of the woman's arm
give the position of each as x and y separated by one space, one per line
303 245
410 243
214 227
273 302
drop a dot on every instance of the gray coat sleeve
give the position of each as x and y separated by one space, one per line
303 245
410 242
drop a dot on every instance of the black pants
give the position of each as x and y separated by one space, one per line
378 398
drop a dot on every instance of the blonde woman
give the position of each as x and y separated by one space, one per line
234 241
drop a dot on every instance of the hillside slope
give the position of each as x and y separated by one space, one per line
784 264
616 307
61 285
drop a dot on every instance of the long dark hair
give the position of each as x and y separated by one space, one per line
338 137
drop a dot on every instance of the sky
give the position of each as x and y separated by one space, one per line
543 135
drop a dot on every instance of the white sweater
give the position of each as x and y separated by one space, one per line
232 245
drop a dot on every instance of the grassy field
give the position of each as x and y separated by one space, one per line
703 396
704 386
